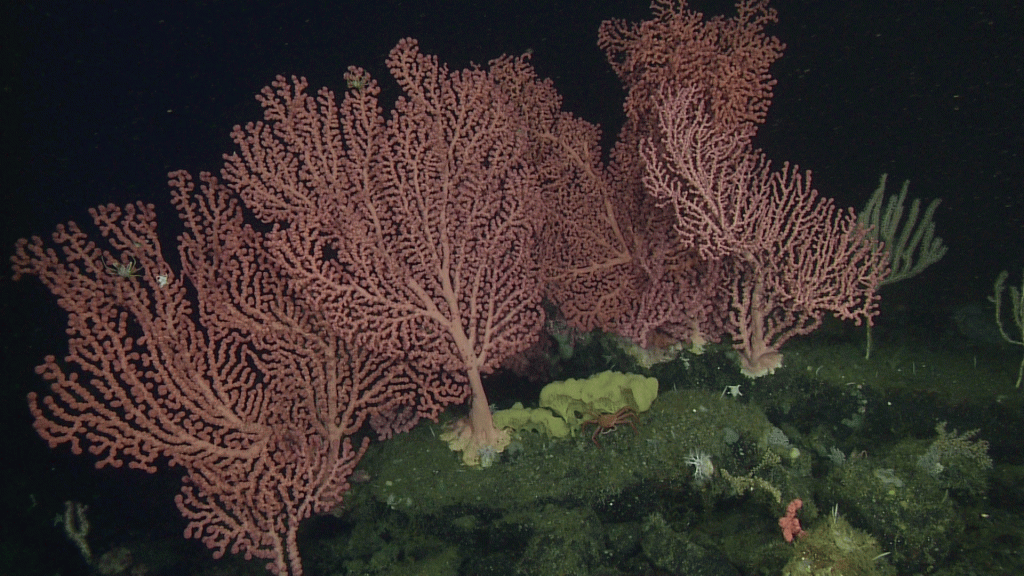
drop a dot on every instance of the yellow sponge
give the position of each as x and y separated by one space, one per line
577 401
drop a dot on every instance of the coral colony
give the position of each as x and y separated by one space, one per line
386 262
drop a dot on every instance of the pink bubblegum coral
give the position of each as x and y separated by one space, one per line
414 235
771 255
217 368
620 263
793 255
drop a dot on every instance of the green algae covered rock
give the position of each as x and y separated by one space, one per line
835 548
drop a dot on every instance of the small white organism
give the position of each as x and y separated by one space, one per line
703 468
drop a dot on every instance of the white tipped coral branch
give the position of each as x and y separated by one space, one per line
1017 313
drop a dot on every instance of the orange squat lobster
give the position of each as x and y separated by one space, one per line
607 422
